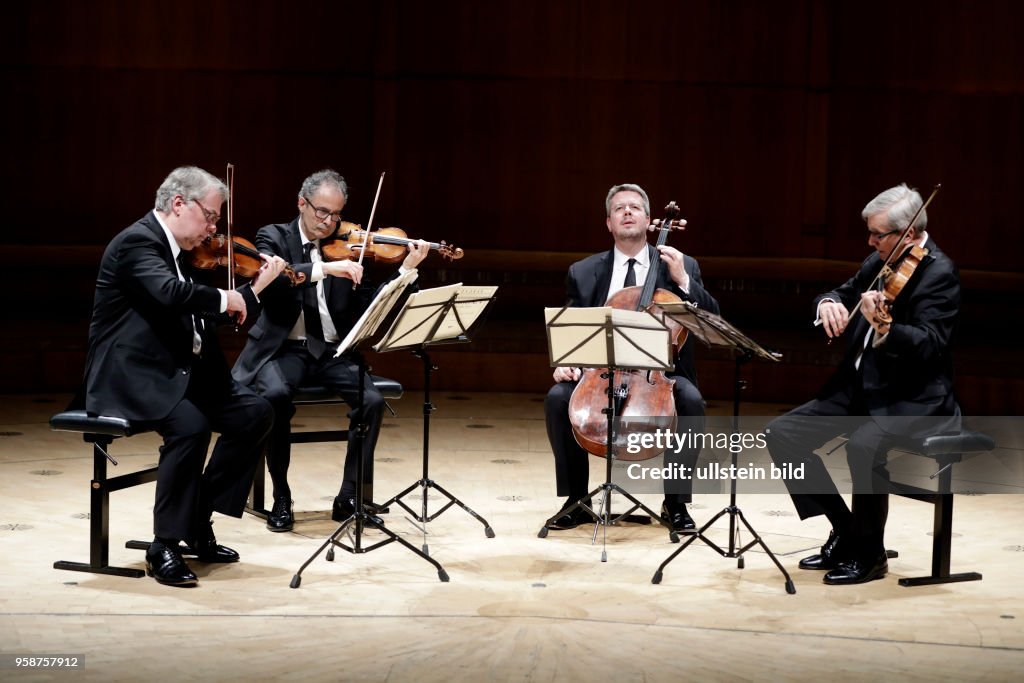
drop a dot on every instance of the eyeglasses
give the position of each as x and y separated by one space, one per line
323 214
881 235
211 217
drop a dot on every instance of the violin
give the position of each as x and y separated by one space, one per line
214 251
236 254
894 281
386 245
637 393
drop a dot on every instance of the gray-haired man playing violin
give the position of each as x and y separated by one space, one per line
896 377
154 359
297 334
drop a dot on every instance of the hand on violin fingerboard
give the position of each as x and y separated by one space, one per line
871 304
418 251
347 269
268 272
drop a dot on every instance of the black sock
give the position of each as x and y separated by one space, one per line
169 542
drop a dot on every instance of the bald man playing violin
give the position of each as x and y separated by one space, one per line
297 334
895 383
154 359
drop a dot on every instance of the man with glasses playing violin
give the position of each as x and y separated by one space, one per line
296 336
154 359
896 377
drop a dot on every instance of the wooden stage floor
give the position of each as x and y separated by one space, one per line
517 608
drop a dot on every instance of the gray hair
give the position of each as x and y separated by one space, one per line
626 187
191 182
900 203
327 176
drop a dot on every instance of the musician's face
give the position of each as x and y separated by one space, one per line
321 212
196 219
881 237
628 218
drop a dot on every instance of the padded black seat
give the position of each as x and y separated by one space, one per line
946 450
101 431
80 421
308 394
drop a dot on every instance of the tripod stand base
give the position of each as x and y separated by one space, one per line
423 517
361 520
605 518
732 551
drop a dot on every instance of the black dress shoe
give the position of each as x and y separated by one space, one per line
569 520
346 507
676 515
206 548
166 565
828 558
281 517
858 571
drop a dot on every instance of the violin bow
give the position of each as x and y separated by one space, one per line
229 177
369 225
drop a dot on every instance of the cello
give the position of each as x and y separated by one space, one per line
637 393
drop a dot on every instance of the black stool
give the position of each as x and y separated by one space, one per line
945 450
101 432
307 395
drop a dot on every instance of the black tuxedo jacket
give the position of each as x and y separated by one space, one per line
140 358
282 302
588 282
911 372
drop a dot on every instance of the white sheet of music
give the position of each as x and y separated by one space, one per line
470 302
377 311
416 321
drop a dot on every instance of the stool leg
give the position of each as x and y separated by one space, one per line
942 538
99 521
258 492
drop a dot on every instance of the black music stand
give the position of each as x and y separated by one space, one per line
442 315
360 518
612 339
713 330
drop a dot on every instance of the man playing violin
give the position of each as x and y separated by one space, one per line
896 378
296 336
590 283
153 358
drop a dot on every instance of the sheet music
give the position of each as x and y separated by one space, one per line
418 317
577 337
713 329
641 340
378 309
470 302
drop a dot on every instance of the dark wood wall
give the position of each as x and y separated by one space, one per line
501 125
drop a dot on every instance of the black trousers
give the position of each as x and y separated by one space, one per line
278 380
572 462
186 492
792 439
